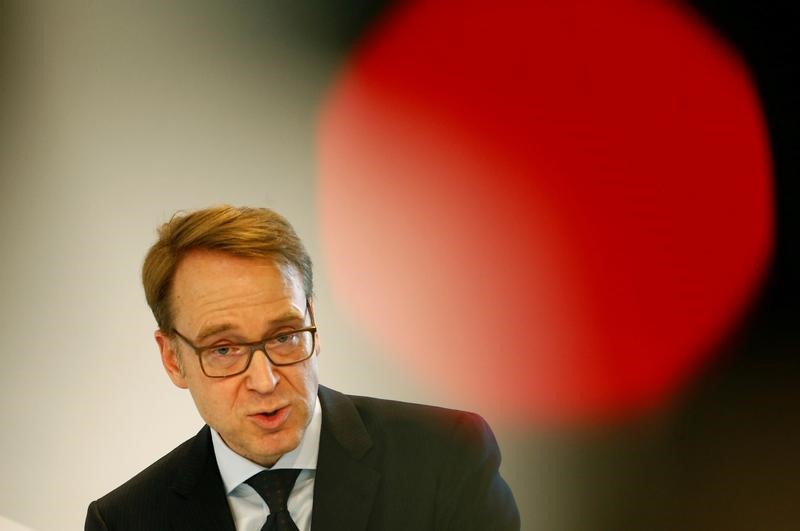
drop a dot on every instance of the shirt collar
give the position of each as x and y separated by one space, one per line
235 469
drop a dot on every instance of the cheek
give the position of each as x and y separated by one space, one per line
309 382
214 401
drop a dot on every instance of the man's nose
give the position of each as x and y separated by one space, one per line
261 374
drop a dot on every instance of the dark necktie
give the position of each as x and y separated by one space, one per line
274 486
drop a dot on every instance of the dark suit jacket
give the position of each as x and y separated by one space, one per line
382 466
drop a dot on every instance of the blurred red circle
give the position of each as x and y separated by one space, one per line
555 210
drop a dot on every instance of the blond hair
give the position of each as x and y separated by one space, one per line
241 231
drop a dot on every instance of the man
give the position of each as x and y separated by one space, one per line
231 290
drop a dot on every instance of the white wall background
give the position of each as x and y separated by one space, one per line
114 115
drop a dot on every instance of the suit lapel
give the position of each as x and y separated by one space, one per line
344 487
198 496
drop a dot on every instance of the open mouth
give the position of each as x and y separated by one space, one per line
271 419
271 414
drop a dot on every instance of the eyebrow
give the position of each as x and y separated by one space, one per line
205 333
212 330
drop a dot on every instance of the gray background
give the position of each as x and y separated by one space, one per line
115 115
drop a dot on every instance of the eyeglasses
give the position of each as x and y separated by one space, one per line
285 348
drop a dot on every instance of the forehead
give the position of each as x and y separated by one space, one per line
208 284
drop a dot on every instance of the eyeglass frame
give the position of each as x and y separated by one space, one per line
256 346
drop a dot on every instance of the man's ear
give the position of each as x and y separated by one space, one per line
170 359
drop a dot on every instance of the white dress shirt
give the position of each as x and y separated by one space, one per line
248 509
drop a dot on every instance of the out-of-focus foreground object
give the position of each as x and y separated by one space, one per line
559 211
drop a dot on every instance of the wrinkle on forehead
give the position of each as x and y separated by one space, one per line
207 331
213 289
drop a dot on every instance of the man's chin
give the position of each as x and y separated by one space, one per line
273 446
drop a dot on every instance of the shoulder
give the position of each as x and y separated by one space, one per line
453 454
145 492
160 474
415 429
409 419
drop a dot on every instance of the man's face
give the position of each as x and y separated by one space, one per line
219 298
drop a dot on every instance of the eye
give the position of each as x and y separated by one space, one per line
221 351
283 338
284 341
226 351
